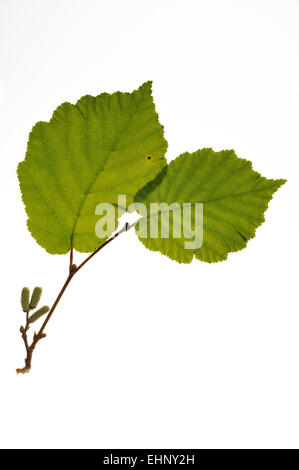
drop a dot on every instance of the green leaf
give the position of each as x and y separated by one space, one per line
39 313
87 154
234 200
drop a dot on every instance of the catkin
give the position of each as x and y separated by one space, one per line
39 313
25 299
35 298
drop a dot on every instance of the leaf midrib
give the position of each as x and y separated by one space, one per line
211 201
88 190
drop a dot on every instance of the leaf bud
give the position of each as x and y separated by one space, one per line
39 313
35 298
25 299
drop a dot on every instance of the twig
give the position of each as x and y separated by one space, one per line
73 269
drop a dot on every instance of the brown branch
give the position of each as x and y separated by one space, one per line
125 228
73 269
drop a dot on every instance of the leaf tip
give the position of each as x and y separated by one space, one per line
147 86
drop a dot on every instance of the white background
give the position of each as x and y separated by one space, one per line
143 352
